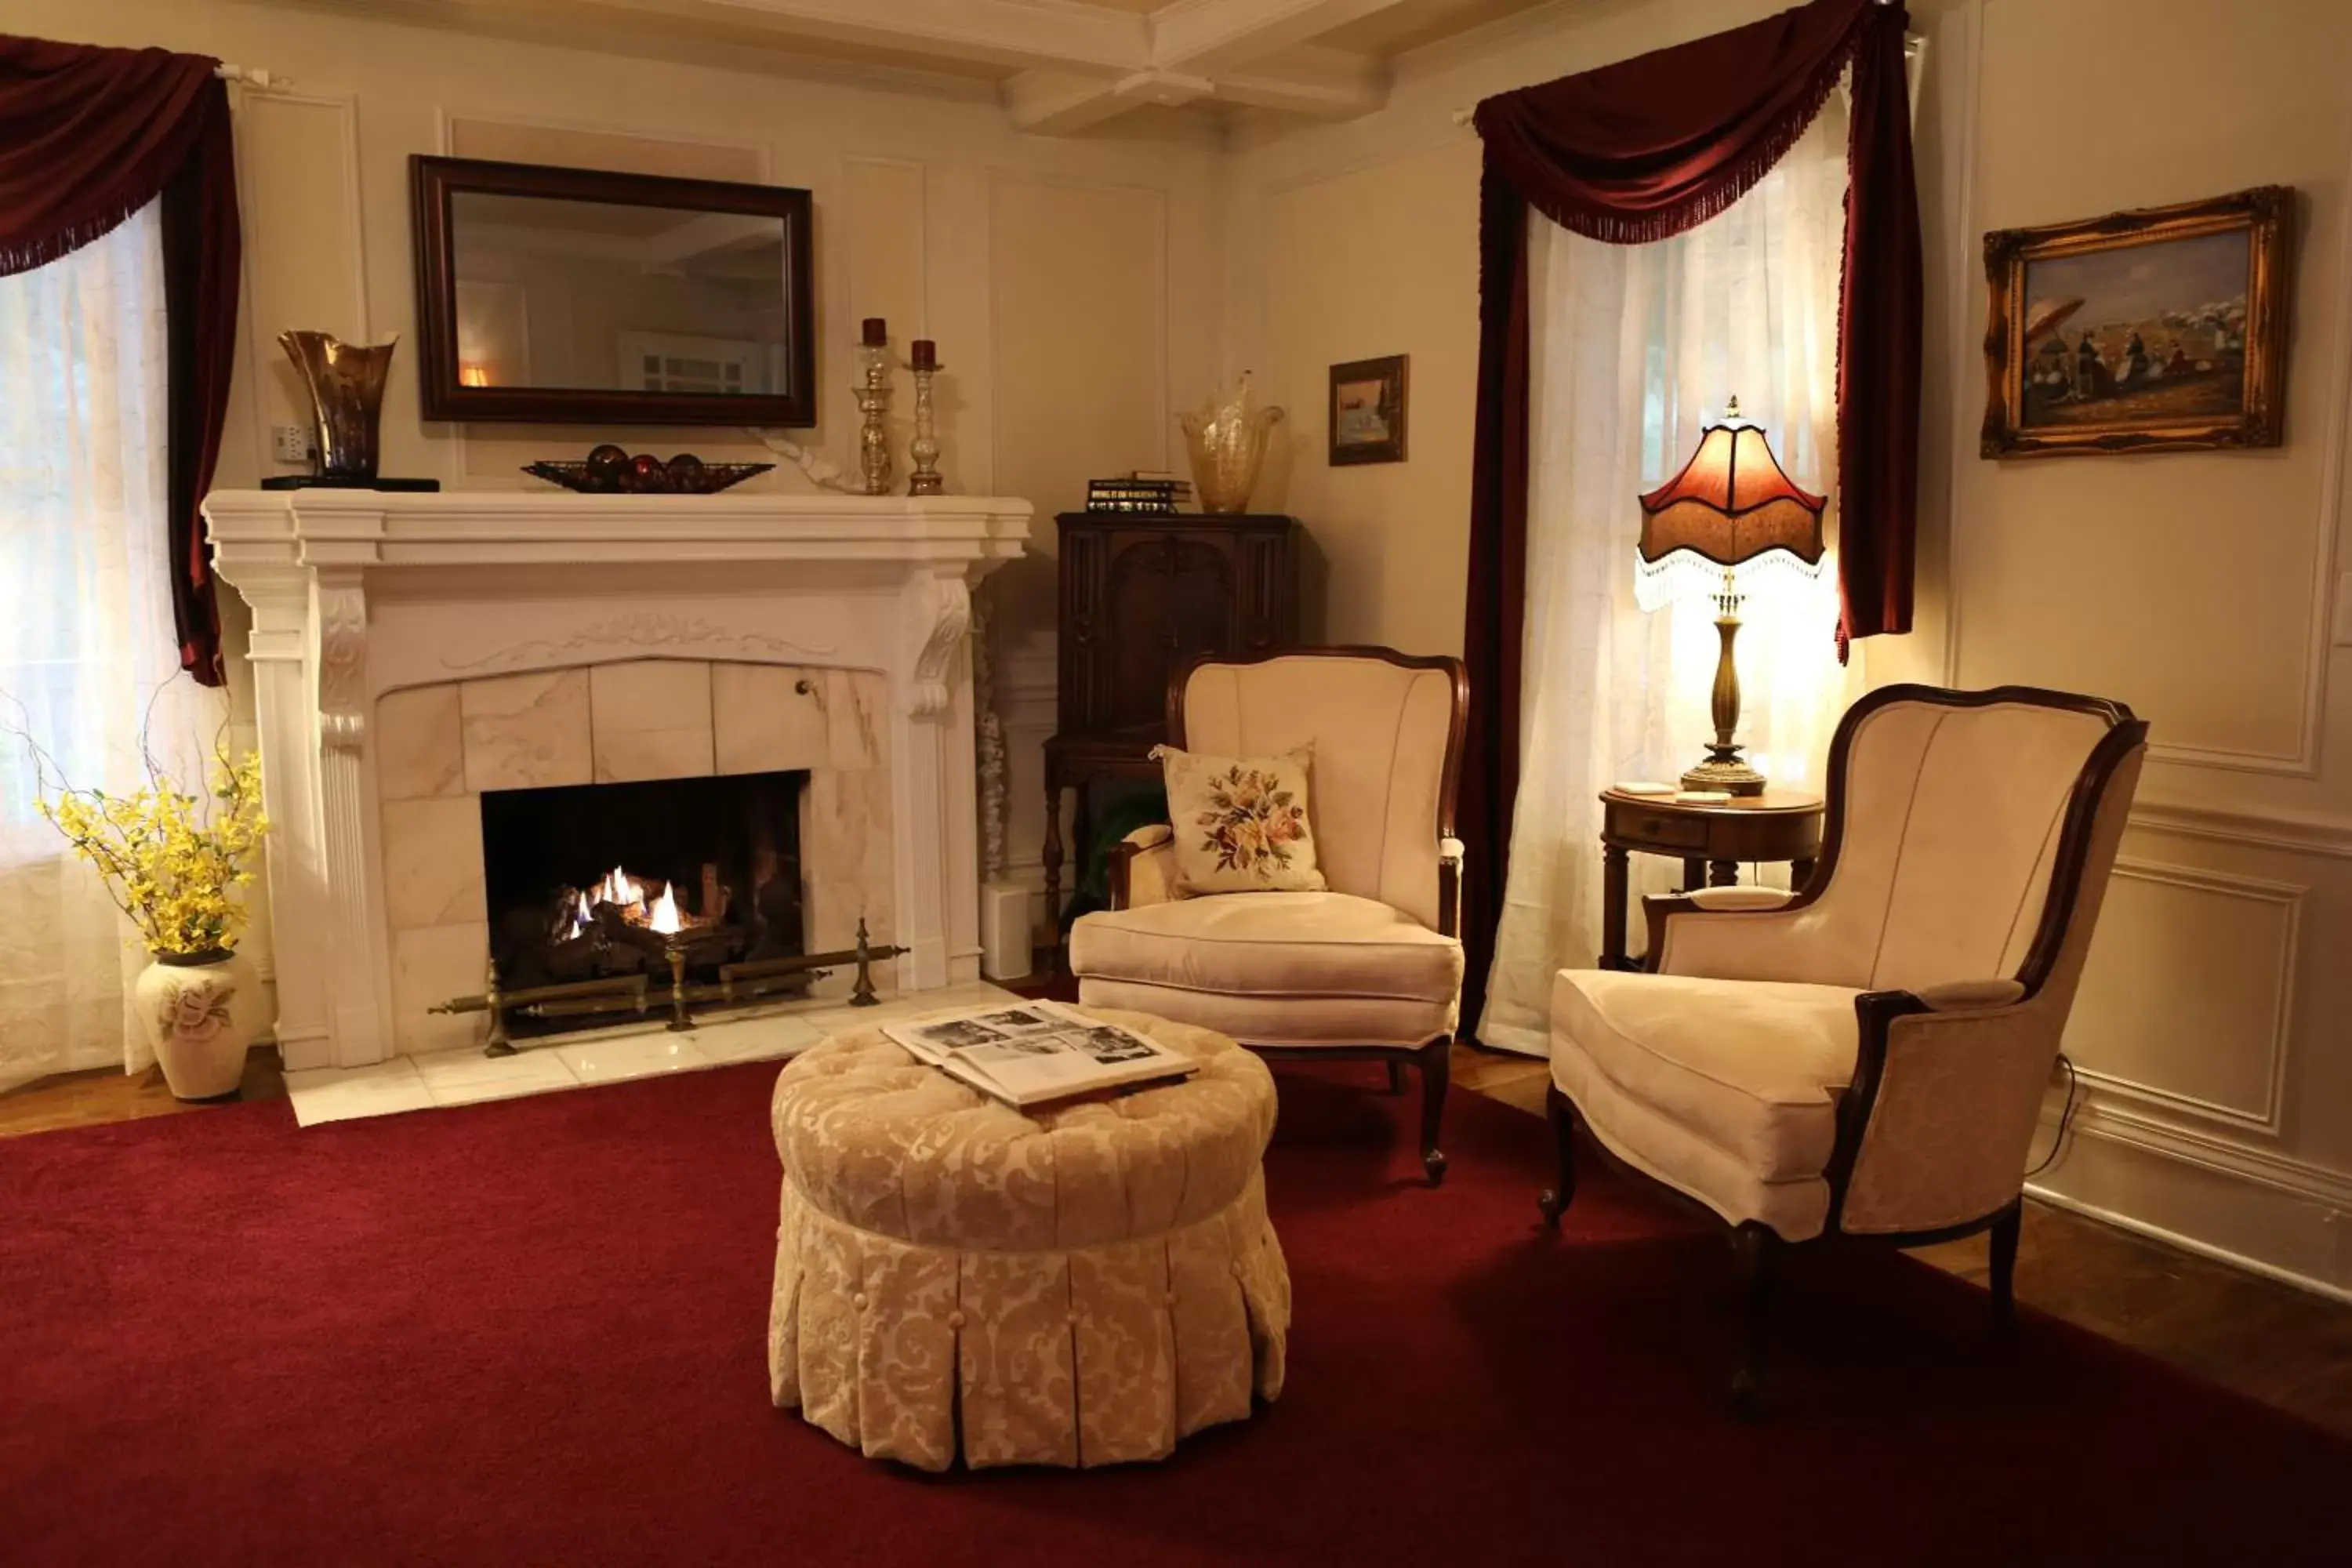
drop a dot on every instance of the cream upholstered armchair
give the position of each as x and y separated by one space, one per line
1370 968
1868 1056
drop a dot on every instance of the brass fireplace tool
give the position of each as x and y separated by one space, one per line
738 985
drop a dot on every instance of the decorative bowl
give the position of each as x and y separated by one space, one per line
606 474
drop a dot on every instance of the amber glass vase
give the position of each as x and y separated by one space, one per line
1226 440
346 385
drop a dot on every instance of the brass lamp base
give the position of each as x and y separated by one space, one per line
1727 774
1723 769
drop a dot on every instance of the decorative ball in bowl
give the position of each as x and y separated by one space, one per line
609 470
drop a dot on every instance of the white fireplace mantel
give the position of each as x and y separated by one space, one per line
358 594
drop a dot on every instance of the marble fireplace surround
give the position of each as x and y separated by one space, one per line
380 617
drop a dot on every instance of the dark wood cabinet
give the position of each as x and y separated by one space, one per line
1140 595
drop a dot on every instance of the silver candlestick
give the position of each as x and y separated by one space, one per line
924 449
873 392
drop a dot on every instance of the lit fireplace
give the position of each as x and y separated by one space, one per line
598 882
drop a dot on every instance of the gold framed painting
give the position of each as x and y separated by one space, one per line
1368 405
2158 330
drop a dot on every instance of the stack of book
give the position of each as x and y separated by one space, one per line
1145 490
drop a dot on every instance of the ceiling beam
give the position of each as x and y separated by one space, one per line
1059 103
996 32
1326 84
1211 36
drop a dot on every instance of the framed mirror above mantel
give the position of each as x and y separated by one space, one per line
580 296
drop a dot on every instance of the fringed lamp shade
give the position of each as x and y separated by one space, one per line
1730 507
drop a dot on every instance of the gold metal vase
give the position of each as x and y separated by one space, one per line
346 385
1226 442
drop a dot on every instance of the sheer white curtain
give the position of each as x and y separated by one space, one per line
88 655
1633 349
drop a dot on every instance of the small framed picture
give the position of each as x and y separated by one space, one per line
1368 411
2159 330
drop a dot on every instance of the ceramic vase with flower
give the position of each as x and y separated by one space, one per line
177 865
200 1011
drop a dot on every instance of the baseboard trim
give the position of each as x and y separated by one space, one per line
2188 1243
2270 1204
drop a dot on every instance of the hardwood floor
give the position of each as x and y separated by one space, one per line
2287 1348
102 1094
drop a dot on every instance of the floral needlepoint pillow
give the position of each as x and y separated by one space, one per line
1241 823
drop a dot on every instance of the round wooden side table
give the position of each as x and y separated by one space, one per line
1710 839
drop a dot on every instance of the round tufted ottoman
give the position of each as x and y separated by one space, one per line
1080 1284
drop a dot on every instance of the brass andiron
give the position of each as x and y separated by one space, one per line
738 985
680 1018
862 994
346 385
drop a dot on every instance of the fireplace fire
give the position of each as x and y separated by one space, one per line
674 880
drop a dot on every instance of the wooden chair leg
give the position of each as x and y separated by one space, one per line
1396 1077
1553 1202
1758 1249
2004 1268
1436 1070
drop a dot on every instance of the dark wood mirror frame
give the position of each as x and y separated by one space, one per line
433 181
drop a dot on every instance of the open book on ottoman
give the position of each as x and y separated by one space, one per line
1031 1052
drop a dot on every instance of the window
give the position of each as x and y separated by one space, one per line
89 660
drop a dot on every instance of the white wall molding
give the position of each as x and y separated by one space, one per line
2265 1117
255 110
2310 1204
2290 833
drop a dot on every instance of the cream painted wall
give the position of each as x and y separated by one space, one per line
1350 283
929 211
2197 587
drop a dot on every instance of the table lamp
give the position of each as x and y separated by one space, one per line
1730 510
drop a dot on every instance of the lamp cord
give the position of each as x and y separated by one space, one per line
2065 1117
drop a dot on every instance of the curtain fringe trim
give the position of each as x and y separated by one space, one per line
36 253
1614 227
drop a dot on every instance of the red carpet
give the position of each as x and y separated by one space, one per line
531 1332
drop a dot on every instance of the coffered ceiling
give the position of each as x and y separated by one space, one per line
1059 67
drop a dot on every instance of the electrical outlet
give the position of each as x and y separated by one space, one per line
290 443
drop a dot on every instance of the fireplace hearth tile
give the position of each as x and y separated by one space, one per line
755 1040
763 722
650 719
634 757
349 1094
430 965
846 848
618 1058
420 746
527 732
433 862
857 712
467 1076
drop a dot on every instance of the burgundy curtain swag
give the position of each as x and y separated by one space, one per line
88 137
1636 152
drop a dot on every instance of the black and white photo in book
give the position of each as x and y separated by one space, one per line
1037 1052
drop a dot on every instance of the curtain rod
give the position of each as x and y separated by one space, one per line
263 81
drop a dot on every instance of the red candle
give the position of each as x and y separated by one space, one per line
877 332
927 354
